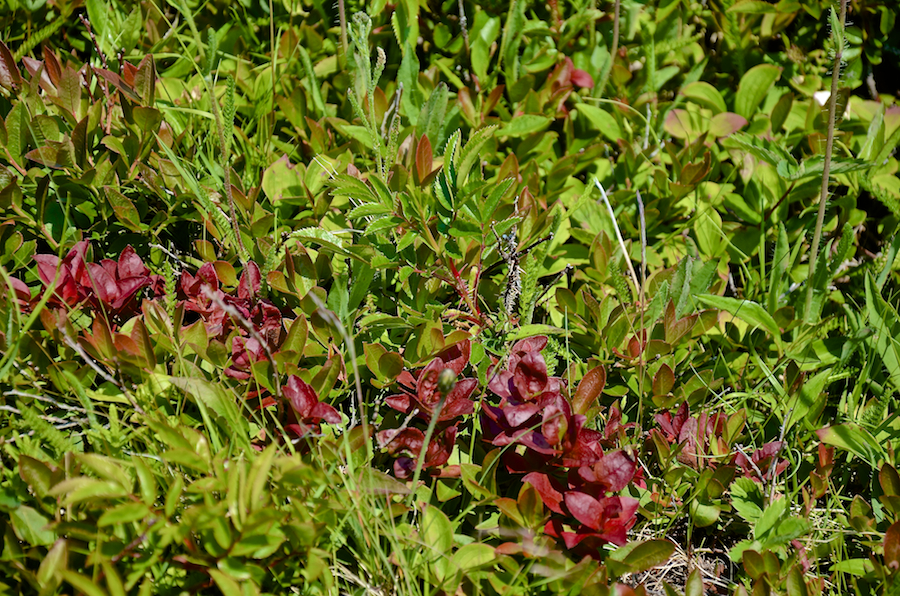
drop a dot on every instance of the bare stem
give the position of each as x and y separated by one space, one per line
823 194
612 215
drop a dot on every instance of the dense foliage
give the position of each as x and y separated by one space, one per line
449 297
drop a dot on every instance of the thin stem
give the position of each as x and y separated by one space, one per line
342 14
823 194
634 277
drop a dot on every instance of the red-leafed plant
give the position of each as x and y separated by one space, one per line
425 397
566 462
108 286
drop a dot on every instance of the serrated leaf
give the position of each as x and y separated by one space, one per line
471 152
320 237
369 209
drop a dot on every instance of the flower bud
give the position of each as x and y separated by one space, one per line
446 381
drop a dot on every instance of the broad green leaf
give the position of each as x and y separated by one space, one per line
749 312
436 531
31 526
82 488
55 561
855 439
487 207
643 555
770 518
705 95
408 75
753 7
431 119
694 584
747 499
754 86
810 398
532 330
602 121
473 555
708 230
780 264
283 180
36 475
215 398
858 567
522 126
124 514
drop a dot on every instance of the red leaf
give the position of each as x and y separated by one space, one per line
103 283
9 72
423 158
530 375
131 265
251 281
530 344
549 489
613 471
581 78
589 389
892 547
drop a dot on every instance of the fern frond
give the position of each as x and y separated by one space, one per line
31 420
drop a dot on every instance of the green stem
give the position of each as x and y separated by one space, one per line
823 194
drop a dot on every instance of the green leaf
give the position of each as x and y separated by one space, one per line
886 324
602 121
431 118
283 180
471 153
858 567
408 75
82 584
810 398
747 499
855 439
780 264
486 209
532 330
36 475
753 7
55 561
436 531
522 126
704 94
754 86
82 488
215 398
643 555
473 555
749 312
770 518
320 237
124 514
694 584
31 526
